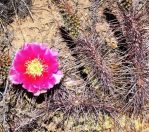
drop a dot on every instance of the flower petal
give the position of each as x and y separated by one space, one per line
58 77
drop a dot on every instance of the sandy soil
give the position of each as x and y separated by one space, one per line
40 26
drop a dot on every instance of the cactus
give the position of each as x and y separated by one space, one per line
113 94
70 18
121 71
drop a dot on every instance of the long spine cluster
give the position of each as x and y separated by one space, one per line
96 62
136 59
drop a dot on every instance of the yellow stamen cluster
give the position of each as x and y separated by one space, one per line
34 67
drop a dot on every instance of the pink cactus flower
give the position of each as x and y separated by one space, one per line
36 67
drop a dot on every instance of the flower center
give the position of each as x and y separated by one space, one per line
34 67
